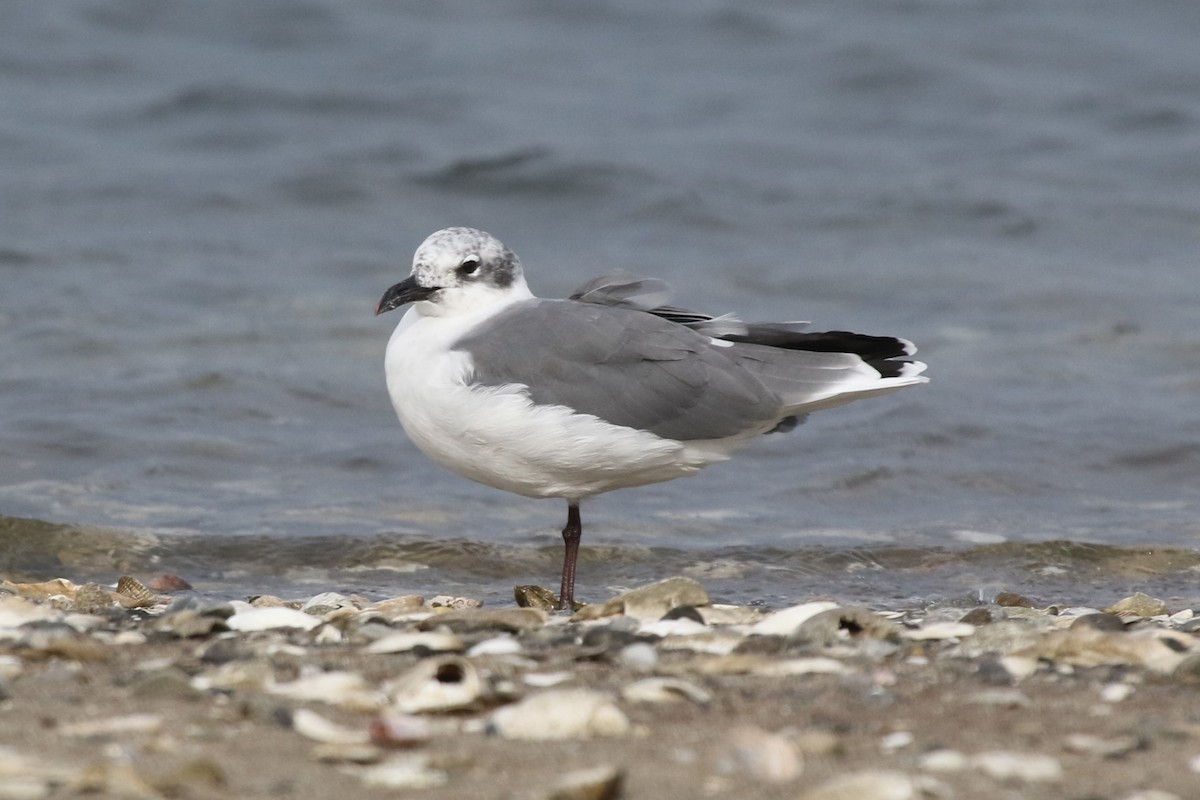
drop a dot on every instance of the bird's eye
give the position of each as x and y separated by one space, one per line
469 266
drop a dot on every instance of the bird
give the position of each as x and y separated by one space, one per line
607 389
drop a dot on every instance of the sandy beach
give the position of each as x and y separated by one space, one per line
654 694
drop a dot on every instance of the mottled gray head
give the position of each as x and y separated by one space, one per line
457 270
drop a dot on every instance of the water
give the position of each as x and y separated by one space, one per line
203 203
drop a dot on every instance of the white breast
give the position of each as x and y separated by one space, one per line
496 436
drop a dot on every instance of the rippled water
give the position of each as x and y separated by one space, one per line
204 201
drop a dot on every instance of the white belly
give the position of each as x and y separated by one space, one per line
496 436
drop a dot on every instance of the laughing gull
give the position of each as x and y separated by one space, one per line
607 389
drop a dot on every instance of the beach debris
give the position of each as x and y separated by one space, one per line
557 714
169 582
939 631
437 684
312 725
58 587
448 601
503 645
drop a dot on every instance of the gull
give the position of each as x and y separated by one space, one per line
607 389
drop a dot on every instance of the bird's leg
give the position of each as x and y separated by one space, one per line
571 536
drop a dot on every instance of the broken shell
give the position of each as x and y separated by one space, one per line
313 726
531 596
132 594
561 714
446 683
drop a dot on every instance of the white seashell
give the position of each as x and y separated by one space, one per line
561 714
312 725
265 619
665 690
941 630
543 680
496 646
944 761
446 683
785 621
404 641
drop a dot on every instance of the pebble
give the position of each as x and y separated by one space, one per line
404 772
405 641
764 756
340 688
468 620
844 623
604 782
639 656
312 725
867 785
557 714
1138 605
786 621
651 602
1009 766
940 630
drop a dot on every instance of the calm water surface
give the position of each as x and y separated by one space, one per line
203 203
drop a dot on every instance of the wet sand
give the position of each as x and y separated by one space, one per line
1017 702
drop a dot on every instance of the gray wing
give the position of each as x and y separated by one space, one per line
622 365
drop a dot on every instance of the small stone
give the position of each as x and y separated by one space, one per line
651 602
639 656
345 689
505 645
347 753
531 596
977 617
765 756
1138 605
44 590
558 714
1014 600
164 684
168 582
1100 621
868 785
321 604
110 727
397 606
1004 765
897 740
786 621
468 620
92 598
597 783
1150 794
